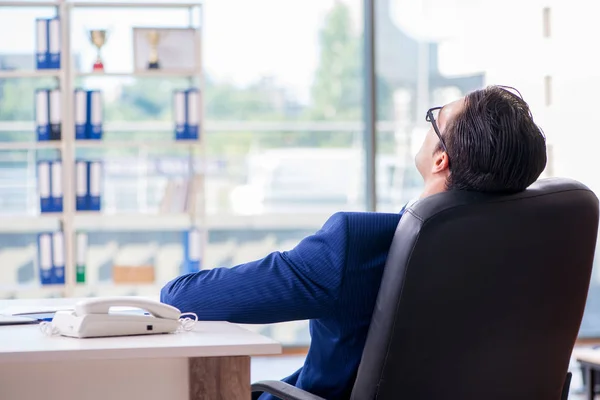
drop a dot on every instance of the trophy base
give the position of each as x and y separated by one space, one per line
153 65
98 66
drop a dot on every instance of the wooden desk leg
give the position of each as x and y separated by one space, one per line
591 384
219 378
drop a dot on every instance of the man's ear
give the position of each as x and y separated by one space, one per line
440 163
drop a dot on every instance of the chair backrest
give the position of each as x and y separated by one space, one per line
482 296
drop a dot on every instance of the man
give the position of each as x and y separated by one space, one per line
484 142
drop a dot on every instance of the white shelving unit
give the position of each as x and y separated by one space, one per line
43 223
139 74
30 145
161 144
134 4
71 221
29 74
27 3
132 222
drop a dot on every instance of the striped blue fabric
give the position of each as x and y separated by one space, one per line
331 278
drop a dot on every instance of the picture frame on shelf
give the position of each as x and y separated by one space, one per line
165 49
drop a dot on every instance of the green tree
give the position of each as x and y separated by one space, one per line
336 90
262 100
145 99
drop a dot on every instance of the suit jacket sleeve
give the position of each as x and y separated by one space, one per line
302 283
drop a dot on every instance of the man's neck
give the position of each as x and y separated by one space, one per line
433 187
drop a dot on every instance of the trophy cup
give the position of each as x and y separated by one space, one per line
98 39
153 38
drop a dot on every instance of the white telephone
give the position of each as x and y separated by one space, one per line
92 318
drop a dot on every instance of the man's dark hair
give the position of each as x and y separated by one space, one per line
494 144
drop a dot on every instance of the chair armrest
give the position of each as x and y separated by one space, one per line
283 390
566 386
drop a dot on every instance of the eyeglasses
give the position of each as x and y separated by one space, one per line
432 116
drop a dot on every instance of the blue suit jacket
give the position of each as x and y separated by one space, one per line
331 278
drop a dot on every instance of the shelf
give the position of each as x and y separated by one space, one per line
41 73
123 287
216 126
308 221
29 223
122 126
94 221
136 4
135 222
30 145
33 287
141 74
26 3
101 144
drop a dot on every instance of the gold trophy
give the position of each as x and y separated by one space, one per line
153 38
98 39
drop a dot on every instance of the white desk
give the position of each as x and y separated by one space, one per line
211 362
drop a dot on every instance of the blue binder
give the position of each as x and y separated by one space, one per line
179 113
58 258
192 120
94 115
44 184
81 185
45 258
56 186
192 250
42 114
54 43
94 176
81 119
42 56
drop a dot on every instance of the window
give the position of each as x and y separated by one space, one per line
548 90
428 55
547 21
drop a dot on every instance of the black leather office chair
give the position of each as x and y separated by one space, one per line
482 298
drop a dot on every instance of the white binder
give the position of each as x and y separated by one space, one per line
45 258
81 257
81 186
42 114
179 111
80 114
95 115
55 115
57 186
58 258
95 187
193 114
42 57
194 246
54 43
192 249
44 186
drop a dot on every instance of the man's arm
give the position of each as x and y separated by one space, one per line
302 283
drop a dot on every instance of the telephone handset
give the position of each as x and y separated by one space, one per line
93 318
102 305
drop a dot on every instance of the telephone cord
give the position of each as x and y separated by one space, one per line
186 324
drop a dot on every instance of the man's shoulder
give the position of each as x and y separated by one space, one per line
367 215
354 220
